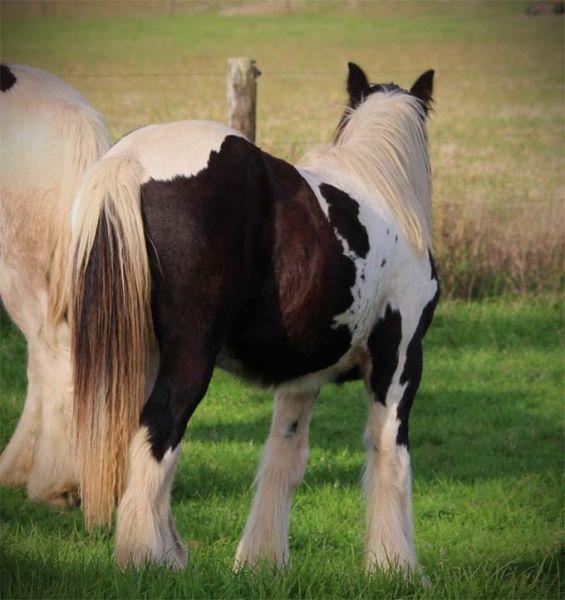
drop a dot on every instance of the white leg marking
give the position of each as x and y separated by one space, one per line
145 530
284 461
388 489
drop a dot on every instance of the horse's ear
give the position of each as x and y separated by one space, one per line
423 88
357 85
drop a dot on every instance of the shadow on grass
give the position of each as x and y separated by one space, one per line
456 435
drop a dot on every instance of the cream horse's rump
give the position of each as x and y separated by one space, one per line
49 136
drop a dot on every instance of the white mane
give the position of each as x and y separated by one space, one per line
383 144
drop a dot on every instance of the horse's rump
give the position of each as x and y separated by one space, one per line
50 136
286 328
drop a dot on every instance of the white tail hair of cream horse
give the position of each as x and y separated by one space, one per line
49 136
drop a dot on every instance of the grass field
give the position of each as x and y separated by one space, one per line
487 427
487 447
496 136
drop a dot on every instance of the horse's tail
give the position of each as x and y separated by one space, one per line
110 326
85 140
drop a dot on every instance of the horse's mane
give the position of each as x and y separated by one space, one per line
383 145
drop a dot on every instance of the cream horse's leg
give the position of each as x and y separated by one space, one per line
16 461
54 476
40 454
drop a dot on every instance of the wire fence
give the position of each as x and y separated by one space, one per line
267 74
303 74
542 70
474 136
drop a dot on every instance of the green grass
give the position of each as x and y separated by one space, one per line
487 449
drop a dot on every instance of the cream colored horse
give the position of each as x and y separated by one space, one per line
49 136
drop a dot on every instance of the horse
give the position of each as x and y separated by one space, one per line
192 248
50 135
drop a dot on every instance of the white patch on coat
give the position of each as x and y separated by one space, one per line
175 149
144 528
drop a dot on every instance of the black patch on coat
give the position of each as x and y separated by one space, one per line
203 236
383 263
383 345
412 372
285 330
344 216
247 273
292 429
7 78
433 267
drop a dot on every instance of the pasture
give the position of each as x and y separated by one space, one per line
487 426
486 442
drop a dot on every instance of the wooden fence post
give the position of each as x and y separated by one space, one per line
242 95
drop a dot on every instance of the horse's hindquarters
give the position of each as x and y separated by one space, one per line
50 135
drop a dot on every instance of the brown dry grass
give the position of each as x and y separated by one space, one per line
484 250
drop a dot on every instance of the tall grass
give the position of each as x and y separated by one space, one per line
485 250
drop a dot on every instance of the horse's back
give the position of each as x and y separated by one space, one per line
169 150
36 107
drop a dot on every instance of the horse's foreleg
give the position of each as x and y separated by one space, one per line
392 383
284 461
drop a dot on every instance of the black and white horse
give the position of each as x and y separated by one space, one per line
194 248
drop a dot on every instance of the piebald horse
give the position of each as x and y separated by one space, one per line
49 136
193 248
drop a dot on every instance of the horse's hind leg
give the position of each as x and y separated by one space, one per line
25 311
40 454
54 476
145 530
17 458
284 461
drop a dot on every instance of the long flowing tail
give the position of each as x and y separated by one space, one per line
110 318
